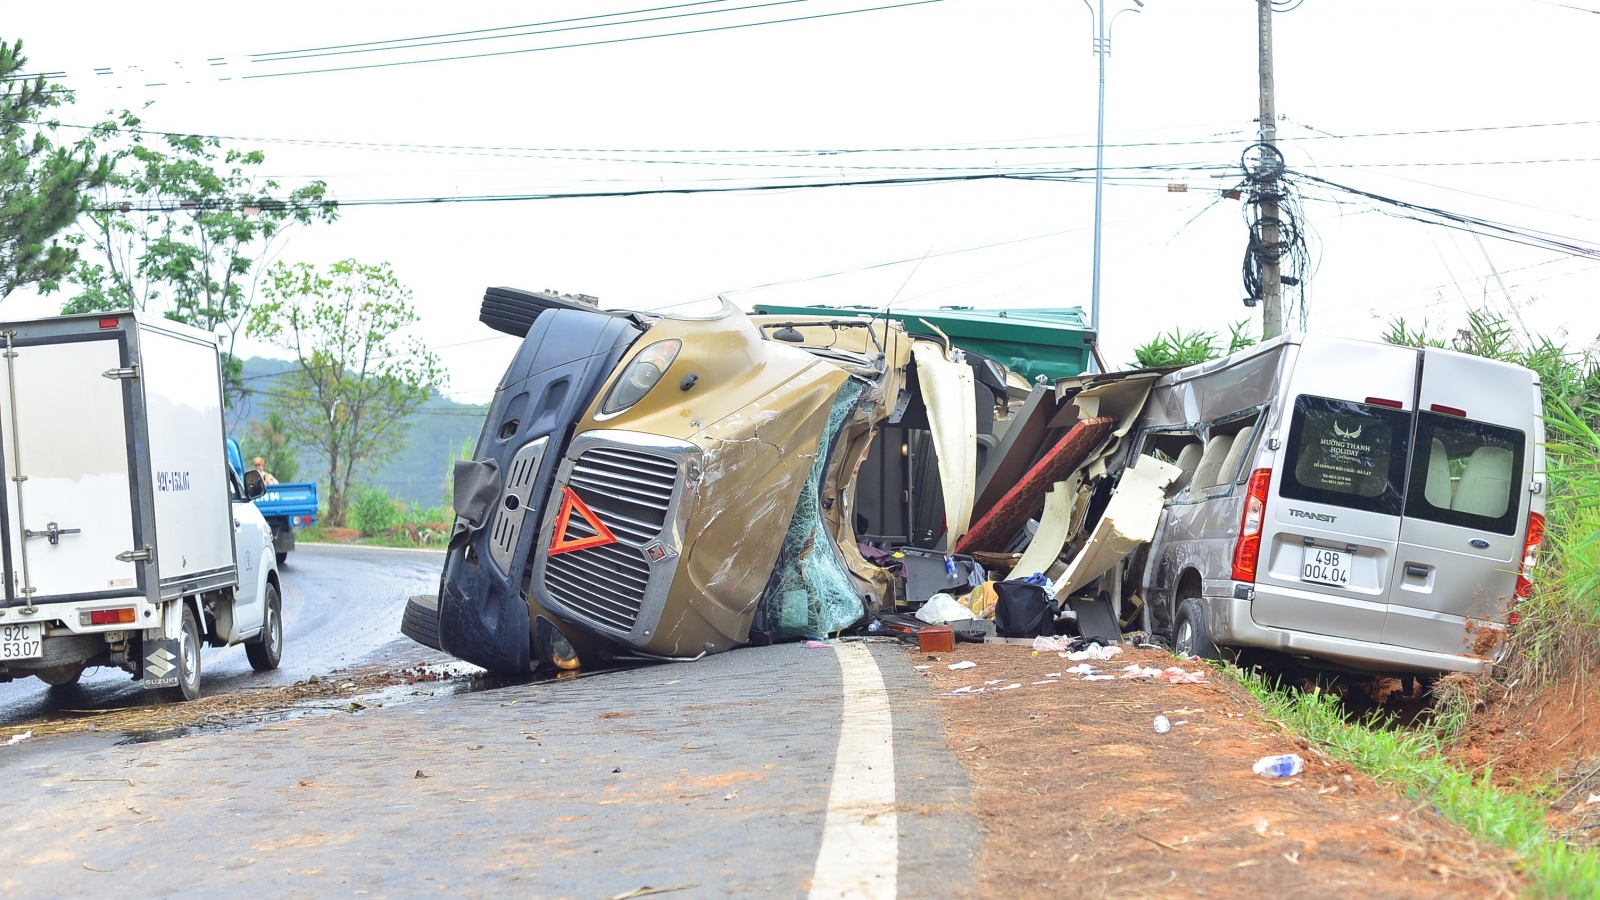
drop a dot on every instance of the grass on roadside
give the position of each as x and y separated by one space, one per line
1411 759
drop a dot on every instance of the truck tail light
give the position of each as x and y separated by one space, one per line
1247 549
1530 558
110 616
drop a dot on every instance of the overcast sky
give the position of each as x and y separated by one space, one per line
954 86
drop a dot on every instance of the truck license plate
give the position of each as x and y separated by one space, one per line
22 641
1323 566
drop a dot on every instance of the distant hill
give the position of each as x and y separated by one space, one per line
416 474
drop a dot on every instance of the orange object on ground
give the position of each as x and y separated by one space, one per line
936 639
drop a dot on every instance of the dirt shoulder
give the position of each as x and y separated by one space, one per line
1077 791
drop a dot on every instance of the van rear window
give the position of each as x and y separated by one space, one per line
1466 473
1347 454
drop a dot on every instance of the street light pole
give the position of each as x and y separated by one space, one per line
1102 49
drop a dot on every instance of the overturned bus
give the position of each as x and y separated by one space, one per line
662 487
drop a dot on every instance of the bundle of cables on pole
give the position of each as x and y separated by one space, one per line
1264 181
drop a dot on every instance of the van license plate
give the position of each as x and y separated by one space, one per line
22 641
1323 566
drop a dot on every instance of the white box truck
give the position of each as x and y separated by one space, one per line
128 539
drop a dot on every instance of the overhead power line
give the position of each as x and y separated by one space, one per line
503 150
597 43
1529 237
1080 175
514 31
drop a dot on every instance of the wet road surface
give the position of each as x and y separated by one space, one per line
725 777
730 776
341 607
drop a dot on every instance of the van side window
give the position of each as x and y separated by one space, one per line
1466 473
1181 448
1347 454
1231 442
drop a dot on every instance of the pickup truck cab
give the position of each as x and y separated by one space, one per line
286 506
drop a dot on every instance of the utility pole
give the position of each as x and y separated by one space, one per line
1266 195
1102 49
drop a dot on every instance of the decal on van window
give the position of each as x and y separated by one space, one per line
1347 454
1465 473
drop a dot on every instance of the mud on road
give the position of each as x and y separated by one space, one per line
1076 791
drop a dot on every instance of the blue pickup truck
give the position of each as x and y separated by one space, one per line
284 506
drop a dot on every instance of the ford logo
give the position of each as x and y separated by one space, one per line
1480 543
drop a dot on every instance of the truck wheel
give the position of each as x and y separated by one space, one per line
265 652
1189 635
188 660
283 557
421 621
61 676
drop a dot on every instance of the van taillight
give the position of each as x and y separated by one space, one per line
1248 548
1530 558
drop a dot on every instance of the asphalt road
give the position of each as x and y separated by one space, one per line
732 776
341 607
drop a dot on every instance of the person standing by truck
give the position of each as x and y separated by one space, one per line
261 466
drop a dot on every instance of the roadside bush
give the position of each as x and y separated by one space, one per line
1175 348
1559 631
373 512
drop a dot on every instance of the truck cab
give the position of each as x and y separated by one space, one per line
285 506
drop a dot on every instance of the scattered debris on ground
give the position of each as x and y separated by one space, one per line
342 690
1080 793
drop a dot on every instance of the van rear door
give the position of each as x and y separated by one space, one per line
1466 505
1333 523
67 449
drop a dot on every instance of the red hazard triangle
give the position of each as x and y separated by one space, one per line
570 503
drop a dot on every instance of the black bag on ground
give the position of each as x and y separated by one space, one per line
1023 610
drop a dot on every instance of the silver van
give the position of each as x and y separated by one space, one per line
1360 505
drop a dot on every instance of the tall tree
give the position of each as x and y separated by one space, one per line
187 228
271 440
42 185
356 379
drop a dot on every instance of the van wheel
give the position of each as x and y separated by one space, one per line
1189 635
265 652
188 660
283 557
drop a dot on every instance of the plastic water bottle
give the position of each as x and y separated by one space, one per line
1284 766
1162 725
950 566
